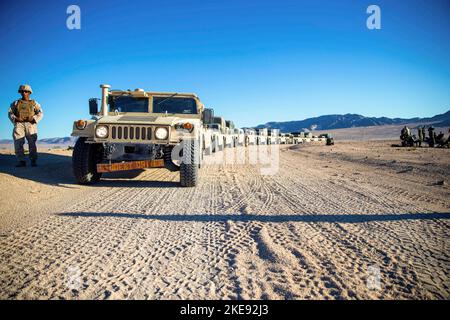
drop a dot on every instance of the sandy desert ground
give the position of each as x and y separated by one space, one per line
359 220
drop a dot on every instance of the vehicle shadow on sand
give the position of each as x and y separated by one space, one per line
309 218
56 170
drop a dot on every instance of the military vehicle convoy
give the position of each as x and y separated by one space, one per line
140 129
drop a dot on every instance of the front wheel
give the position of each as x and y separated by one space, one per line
84 161
169 163
189 165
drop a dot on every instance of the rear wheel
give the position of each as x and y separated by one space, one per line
84 161
189 165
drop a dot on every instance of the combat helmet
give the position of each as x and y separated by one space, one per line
25 87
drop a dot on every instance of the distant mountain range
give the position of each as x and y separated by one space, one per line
65 140
69 141
341 121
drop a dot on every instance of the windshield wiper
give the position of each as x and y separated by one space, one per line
167 98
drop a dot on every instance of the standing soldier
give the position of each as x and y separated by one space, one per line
448 139
405 136
431 136
424 137
419 131
25 114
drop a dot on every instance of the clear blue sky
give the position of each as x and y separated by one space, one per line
253 61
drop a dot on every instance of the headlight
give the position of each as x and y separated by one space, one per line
101 132
161 133
184 125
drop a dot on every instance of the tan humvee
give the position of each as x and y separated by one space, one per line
240 137
225 133
250 137
261 136
138 129
273 136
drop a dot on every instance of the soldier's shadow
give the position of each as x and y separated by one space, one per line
53 169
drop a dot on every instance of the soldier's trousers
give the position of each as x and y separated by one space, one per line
18 147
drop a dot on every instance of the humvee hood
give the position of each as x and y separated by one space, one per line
141 119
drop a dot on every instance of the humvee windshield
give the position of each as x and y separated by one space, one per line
214 126
128 104
174 105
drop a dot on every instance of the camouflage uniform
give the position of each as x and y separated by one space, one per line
432 136
419 131
424 136
25 115
405 136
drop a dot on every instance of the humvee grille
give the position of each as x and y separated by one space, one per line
125 132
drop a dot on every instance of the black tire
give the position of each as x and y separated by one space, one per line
189 165
168 163
202 153
209 150
85 157
214 146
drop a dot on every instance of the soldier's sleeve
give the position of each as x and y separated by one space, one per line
11 115
38 112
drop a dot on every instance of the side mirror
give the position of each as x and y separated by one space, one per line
93 106
208 116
